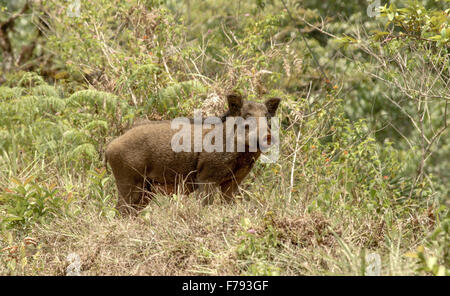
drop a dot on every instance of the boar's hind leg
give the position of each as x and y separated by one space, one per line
130 180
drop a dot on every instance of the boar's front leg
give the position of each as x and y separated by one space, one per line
131 196
229 189
206 192
231 186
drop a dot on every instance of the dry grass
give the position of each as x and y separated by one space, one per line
176 236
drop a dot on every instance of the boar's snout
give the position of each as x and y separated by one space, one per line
265 139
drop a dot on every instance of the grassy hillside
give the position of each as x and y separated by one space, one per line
364 156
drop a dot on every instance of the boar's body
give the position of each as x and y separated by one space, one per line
145 152
143 161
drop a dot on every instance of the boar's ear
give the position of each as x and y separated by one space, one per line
272 105
234 104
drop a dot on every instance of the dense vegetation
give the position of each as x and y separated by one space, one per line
364 165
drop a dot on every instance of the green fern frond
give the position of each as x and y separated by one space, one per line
9 93
52 104
30 79
44 90
26 106
181 90
75 136
84 151
168 98
96 124
97 99
46 128
143 71
27 109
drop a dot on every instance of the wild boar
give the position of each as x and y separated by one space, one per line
144 159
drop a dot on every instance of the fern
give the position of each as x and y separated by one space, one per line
7 93
75 136
96 99
84 151
142 74
52 104
167 99
96 124
30 79
24 108
44 90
